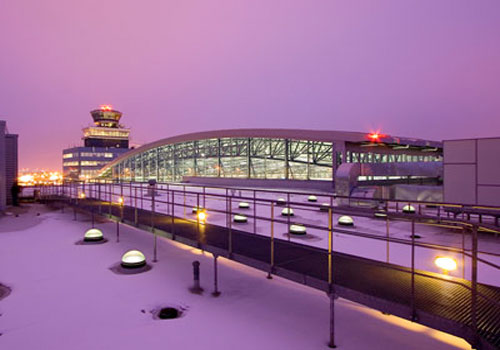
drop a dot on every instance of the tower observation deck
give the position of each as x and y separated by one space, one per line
107 131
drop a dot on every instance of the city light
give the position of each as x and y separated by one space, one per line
41 177
106 107
81 195
202 216
446 263
120 200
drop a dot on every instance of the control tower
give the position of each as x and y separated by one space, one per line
107 131
105 140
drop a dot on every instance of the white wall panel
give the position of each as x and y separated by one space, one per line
459 151
488 162
460 183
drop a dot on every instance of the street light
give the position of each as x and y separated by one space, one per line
202 216
445 263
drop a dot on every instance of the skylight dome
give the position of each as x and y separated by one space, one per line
298 229
281 201
133 258
345 221
93 235
409 209
240 218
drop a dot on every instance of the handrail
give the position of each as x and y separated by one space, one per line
311 207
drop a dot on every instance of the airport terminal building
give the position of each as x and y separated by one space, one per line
325 160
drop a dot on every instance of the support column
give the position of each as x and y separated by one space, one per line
216 291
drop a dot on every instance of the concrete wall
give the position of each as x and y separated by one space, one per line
472 171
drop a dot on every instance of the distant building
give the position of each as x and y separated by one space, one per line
8 164
103 142
472 171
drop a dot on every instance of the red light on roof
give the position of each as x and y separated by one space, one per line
106 107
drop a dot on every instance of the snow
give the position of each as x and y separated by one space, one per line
65 297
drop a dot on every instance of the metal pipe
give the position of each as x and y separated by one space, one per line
230 229
272 243
254 213
331 343
330 248
474 285
172 219
413 307
155 251
216 291
388 238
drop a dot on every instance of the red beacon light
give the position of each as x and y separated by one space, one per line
106 107
375 136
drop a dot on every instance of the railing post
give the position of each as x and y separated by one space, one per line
474 284
155 251
99 194
204 197
254 213
463 252
331 289
172 222
117 230
110 199
288 216
331 343
413 307
197 217
184 206
271 268
388 237
216 292
230 248
136 218
330 249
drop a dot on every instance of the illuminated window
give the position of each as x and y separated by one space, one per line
67 155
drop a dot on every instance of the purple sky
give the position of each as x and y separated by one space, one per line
426 68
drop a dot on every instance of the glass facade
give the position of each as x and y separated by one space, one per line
259 158
401 156
256 158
